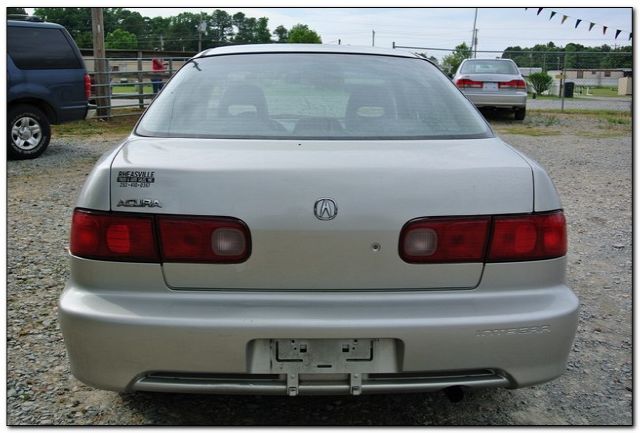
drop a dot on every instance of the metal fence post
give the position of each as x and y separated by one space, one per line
563 81
140 83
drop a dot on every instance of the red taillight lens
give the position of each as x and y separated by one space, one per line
513 84
204 240
87 86
465 83
528 237
511 238
108 236
443 240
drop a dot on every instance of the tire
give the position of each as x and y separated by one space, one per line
28 132
520 113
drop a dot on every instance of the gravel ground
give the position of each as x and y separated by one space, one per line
591 103
593 176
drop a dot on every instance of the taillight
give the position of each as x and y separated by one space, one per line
513 84
104 236
484 239
528 237
465 83
132 237
443 240
87 86
204 240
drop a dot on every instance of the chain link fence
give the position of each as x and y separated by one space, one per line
582 80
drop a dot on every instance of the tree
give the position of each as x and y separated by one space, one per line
16 11
541 81
262 34
121 39
451 62
221 26
282 33
302 34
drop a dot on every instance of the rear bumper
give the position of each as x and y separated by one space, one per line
188 341
484 99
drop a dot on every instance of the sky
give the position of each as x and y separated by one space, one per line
498 28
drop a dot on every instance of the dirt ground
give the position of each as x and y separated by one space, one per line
589 158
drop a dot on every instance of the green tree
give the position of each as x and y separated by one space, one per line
541 81
121 39
262 34
282 33
16 11
302 34
221 26
451 62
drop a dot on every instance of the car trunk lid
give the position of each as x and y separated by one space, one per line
273 186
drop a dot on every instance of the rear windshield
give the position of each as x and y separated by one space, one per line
488 67
41 48
311 96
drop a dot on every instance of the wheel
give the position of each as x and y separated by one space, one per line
28 132
520 113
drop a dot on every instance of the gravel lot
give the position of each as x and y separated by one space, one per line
578 103
593 174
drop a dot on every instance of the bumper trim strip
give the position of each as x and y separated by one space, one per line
245 384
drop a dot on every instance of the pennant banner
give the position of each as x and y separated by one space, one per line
578 21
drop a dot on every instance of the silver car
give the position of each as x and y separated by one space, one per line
493 83
308 219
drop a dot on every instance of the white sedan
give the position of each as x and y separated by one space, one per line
308 219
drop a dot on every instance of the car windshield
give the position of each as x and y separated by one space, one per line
311 96
489 67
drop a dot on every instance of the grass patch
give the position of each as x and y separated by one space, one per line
94 127
601 91
131 89
531 131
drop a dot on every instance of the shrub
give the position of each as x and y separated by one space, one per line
541 81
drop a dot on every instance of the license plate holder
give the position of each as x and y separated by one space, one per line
490 86
316 355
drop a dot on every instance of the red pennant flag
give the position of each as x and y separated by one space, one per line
617 33
604 30
564 18
577 23
553 13
591 26
539 10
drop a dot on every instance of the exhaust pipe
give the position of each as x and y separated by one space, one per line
455 394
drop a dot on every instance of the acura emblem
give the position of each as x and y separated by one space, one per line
325 209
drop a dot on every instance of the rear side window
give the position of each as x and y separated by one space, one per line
311 96
488 67
41 48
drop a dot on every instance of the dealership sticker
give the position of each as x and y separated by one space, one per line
136 179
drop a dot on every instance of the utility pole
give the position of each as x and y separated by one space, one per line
373 38
475 43
474 33
202 28
102 90
161 43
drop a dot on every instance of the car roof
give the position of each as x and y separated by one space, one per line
302 48
485 60
17 23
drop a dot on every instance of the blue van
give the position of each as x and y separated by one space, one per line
47 84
